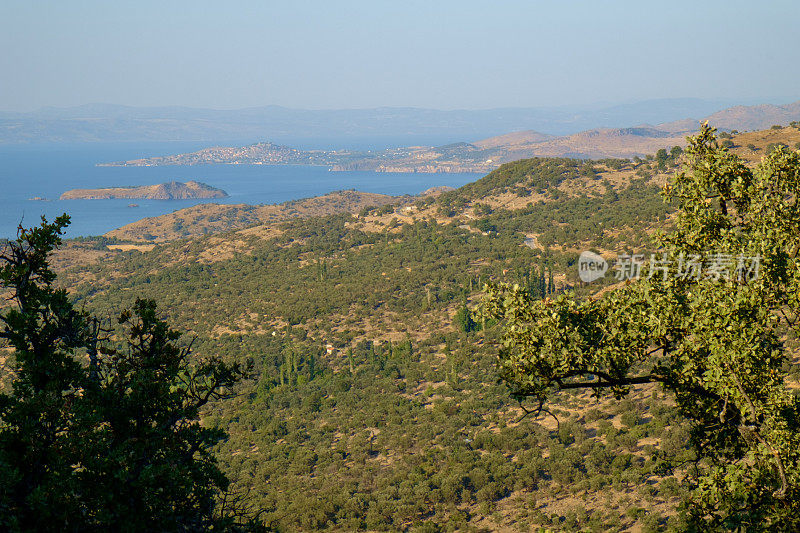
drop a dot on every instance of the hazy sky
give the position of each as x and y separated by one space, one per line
433 53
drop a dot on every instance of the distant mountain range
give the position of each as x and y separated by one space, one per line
113 123
487 154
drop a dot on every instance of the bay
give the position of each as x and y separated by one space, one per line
46 171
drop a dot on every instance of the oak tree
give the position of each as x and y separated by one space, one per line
99 426
719 341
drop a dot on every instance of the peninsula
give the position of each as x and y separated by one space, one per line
173 190
479 156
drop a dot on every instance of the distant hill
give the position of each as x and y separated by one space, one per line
758 117
742 118
165 191
590 144
513 139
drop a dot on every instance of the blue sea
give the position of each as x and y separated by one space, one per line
46 171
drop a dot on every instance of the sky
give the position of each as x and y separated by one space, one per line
360 54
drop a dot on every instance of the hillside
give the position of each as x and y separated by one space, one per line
367 387
376 403
214 218
165 191
759 117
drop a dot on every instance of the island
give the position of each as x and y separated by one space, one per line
174 190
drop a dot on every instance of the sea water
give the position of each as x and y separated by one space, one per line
46 171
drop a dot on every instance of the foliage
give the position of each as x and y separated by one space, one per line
717 343
36 458
537 174
464 321
97 434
